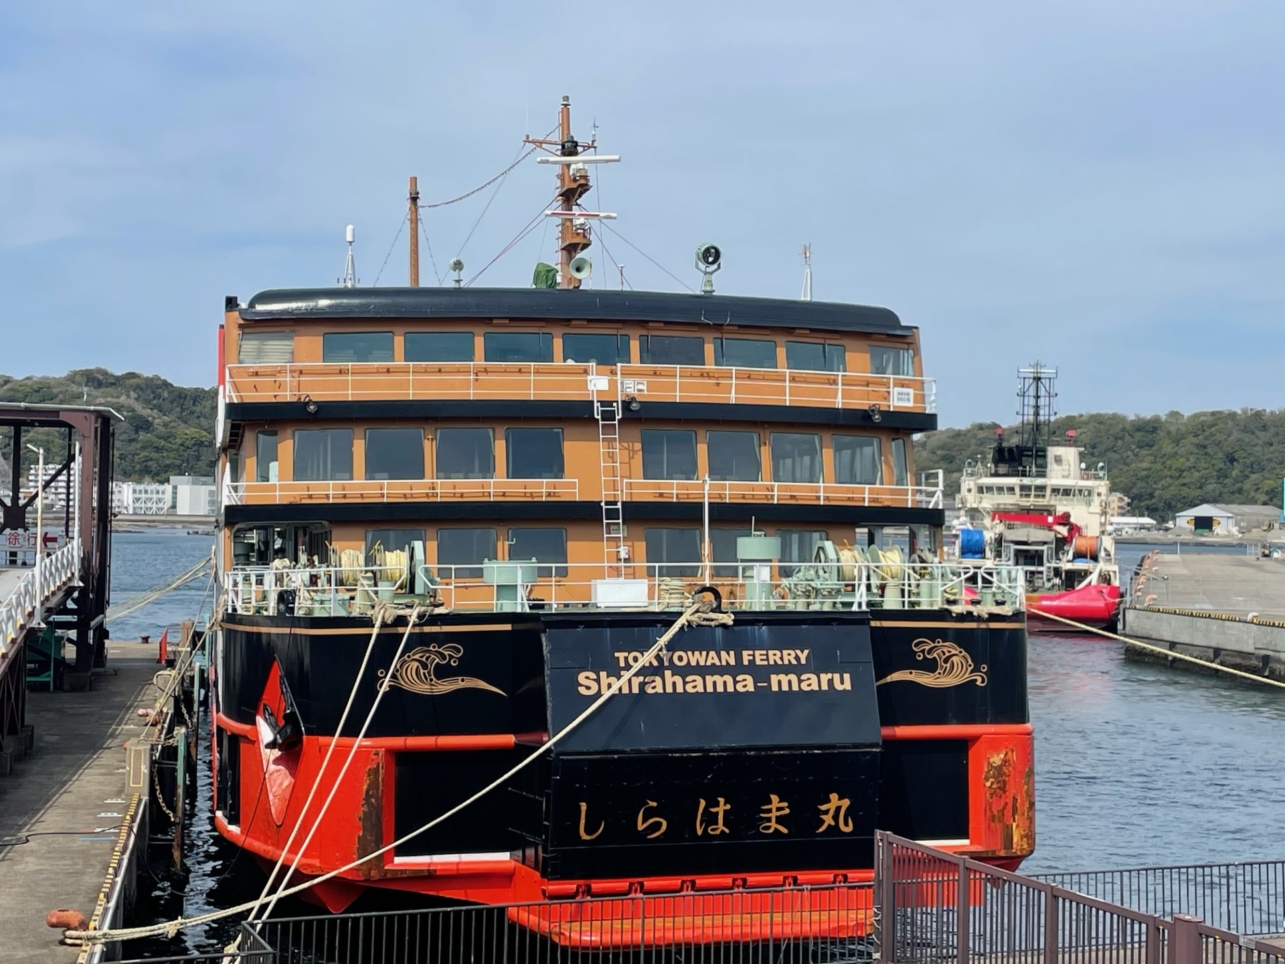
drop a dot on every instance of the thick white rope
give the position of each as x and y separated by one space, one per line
696 614
325 762
146 598
380 690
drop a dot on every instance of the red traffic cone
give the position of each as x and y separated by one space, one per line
163 653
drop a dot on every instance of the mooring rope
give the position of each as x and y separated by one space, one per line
134 603
698 614
1160 649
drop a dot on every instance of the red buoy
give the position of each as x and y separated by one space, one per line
66 919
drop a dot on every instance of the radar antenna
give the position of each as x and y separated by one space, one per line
573 162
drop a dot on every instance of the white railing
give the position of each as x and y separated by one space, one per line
24 607
545 381
335 591
402 490
813 493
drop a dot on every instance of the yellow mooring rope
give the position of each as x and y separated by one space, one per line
1161 650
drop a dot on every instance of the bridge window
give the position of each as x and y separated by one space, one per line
266 348
545 545
391 540
744 353
603 349
439 346
885 360
534 453
734 456
265 456
461 552
673 552
465 453
796 457
322 455
668 454
798 546
723 549
518 346
900 467
813 356
357 346
671 350
394 453
857 460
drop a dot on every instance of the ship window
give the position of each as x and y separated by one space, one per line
668 454
673 552
900 468
723 549
798 546
812 356
885 360
265 456
357 346
444 346
465 453
534 453
734 456
391 540
266 348
394 453
744 352
857 460
464 551
671 350
796 457
547 546
602 349
518 346
323 454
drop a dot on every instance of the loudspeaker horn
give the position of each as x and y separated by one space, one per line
581 268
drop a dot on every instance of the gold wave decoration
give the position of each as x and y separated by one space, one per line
954 666
417 672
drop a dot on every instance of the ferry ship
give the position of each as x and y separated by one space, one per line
544 479
1039 507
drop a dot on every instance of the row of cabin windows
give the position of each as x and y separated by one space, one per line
673 550
537 453
603 349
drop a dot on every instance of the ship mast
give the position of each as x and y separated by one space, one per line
573 162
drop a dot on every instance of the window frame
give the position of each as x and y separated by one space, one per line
720 352
900 466
466 570
826 348
623 347
786 568
262 473
550 569
835 440
437 450
820 457
653 432
508 451
709 453
263 338
328 335
903 352
294 445
645 350
682 569
410 337
545 340
366 434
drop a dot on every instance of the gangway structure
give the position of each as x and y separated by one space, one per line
54 549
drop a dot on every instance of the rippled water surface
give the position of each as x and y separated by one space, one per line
1135 763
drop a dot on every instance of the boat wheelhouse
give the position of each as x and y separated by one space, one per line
470 512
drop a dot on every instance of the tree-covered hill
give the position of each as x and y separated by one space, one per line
168 429
1163 463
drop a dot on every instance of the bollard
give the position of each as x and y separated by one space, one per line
1184 940
180 792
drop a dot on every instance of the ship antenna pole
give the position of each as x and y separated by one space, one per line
412 201
807 273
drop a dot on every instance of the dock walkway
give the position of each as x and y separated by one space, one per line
1221 583
62 807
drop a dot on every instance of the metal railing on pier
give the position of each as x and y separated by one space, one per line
47 578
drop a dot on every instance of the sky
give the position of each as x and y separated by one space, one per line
1097 185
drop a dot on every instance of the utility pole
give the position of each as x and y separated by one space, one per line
413 203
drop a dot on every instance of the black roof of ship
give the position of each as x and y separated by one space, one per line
290 304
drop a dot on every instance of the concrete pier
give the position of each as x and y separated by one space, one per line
63 807
1227 610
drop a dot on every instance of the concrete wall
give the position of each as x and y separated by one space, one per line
1254 647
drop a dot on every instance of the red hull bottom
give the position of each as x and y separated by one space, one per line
1094 606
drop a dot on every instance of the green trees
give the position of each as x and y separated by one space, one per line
168 429
1163 463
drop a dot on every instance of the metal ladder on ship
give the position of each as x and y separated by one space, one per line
613 526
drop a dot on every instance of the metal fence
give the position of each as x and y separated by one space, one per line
933 907
1248 898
